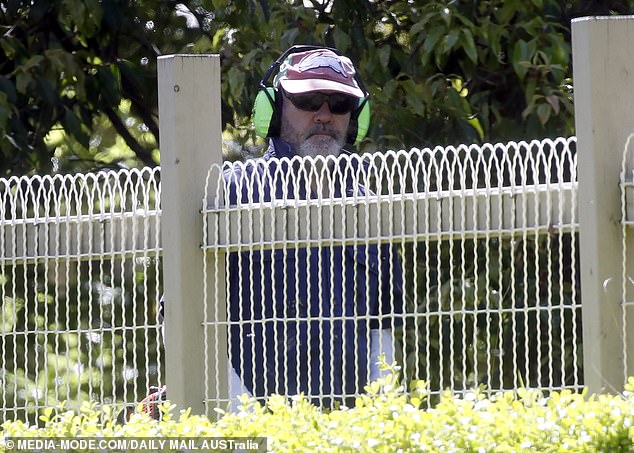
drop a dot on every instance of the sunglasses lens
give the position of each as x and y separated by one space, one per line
340 103
308 102
311 102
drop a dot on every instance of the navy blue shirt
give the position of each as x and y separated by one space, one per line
301 317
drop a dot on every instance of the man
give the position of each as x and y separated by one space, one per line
311 320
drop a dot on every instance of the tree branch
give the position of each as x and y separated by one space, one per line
143 154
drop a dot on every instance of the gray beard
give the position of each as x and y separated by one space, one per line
320 146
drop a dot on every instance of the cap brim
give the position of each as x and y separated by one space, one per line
310 85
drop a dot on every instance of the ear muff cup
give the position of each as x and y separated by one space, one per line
266 118
359 122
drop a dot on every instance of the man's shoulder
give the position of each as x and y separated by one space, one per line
238 171
247 181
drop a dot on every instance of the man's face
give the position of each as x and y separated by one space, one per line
317 133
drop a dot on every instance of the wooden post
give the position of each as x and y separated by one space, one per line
190 139
603 59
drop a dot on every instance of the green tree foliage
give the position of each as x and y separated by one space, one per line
81 67
78 77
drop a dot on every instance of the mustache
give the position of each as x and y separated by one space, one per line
323 130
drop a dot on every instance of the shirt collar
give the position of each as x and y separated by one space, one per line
279 148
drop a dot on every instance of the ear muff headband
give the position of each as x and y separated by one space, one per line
268 106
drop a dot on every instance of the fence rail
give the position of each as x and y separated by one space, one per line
127 233
438 216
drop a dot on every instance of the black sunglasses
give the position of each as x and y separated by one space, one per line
338 103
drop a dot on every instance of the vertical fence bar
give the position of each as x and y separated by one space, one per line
603 57
190 137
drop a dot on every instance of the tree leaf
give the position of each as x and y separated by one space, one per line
452 39
5 110
432 38
32 63
71 123
417 28
22 82
236 82
554 103
529 93
8 88
519 60
109 85
342 40
475 123
543 113
469 45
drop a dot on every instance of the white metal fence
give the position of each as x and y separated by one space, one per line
79 277
487 255
486 250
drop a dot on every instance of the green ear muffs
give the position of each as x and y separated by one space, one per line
264 110
266 118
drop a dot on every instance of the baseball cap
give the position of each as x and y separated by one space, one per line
318 70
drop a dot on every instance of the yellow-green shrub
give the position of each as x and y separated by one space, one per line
387 418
